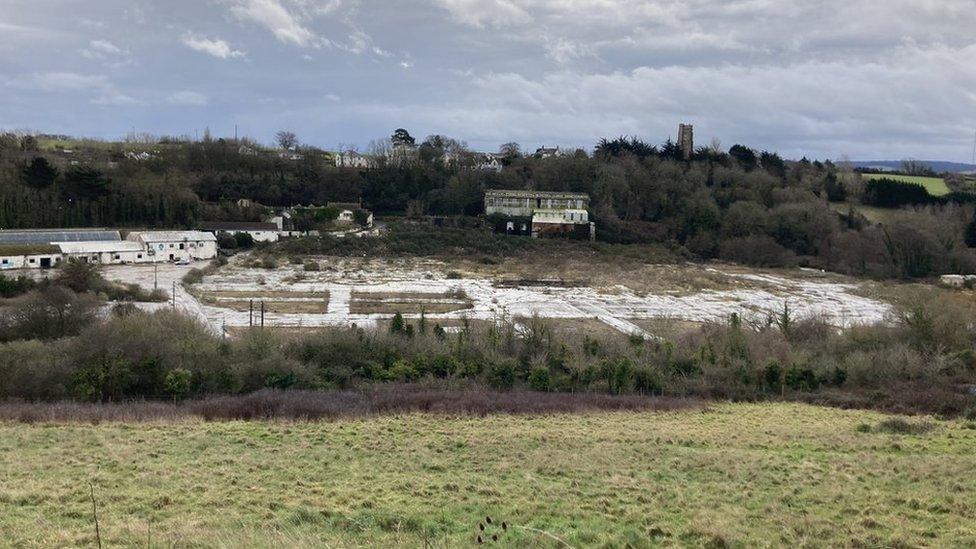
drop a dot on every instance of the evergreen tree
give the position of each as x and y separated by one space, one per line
39 174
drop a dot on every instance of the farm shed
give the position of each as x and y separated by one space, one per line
29 256
259 231
176 245
108 253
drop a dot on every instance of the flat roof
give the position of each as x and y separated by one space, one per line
536 194
172 236
49 236
99 247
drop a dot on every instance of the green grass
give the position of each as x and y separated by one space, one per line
738 474
936 186
873 214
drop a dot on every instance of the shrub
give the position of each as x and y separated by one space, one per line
178 382
311 266
502 375
539 379
898 426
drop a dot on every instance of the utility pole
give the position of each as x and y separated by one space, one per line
155 276
262 313
174 294
250 314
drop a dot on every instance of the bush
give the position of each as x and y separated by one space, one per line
539 379
311 266
502 375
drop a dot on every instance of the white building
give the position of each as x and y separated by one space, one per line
176 245
490 162
35 257
525 203
107 253
352 159
259 231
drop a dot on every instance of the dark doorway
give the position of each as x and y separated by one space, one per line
45 262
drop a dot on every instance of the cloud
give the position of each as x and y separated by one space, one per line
216 47
272 15
480 13
101 90
189 98
103 50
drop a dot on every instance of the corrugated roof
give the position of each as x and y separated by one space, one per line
99 247
49 236
172 236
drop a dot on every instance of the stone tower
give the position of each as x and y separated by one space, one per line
686 140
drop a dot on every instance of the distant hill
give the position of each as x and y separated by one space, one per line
938 166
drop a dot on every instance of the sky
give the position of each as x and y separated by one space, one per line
863 79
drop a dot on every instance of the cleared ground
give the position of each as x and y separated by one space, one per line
936 186
368 292
737 474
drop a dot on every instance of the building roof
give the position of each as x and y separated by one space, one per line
98 247
535 194
172 236
237 226
345 205
8 250
48 236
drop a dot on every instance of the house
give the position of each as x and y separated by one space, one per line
291 155
352 159
548 152
347 213
259 231
403 154
490 162
551 212
176 245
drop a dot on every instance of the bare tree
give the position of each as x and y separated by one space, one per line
286 140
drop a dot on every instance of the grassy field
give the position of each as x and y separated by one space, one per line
737 475
936 186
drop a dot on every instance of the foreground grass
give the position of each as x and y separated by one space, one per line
769 474
936 186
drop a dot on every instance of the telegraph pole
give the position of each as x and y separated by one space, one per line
174 294
155 276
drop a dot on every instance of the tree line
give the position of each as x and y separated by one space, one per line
740 205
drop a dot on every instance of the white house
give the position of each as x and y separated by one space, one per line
259 231
491 162
352 159
176 245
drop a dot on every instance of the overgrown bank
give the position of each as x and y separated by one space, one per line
923 361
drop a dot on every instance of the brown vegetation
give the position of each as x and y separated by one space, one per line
374 400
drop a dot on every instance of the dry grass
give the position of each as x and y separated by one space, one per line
279 307
734 475
262 294
407 303
275 301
